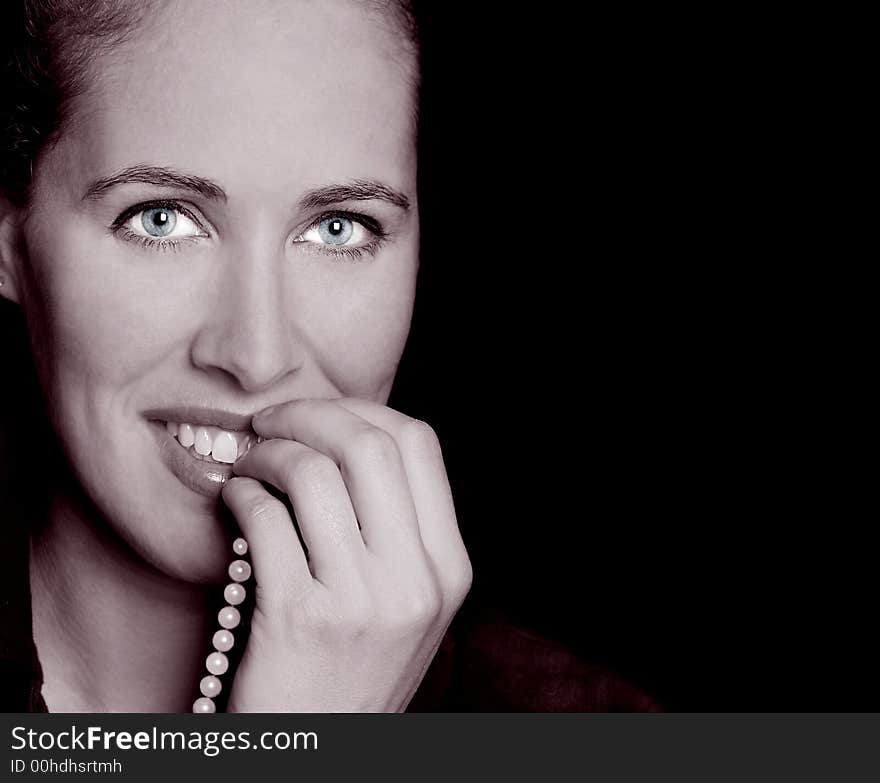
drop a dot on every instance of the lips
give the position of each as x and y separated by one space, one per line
199 445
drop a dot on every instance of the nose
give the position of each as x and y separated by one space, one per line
247 331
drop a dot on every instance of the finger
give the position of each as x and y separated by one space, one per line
280 564
320 503
368 460
426 473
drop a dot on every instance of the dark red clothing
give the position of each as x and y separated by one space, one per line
488 664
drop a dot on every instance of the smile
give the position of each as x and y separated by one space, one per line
212 444
199 445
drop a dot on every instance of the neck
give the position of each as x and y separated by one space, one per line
113 633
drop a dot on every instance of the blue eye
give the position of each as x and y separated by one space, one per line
158 221
335 230
343 235
163 225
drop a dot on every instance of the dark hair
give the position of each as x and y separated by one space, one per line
46 47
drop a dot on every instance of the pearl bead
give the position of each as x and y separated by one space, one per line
229 617
217 663
234 594
239 570
210 685
239 546
204 705
223 641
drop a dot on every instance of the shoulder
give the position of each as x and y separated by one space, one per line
489 664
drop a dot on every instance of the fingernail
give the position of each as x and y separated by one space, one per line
265 411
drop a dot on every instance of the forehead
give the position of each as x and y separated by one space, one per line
258 92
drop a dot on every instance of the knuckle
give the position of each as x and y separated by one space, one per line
310 470
420 436
428 604
373 446
461 580
337 622
358 618
418 608
264 508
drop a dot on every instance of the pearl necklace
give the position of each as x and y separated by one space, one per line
229 617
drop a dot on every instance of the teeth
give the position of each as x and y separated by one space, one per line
186 435
225 447
221 445
203 441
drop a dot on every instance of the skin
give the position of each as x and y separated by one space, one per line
268 103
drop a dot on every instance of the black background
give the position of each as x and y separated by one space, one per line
630 356
612 340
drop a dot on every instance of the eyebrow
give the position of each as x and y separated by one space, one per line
325 196
155 175
357 190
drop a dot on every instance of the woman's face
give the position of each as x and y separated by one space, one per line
228 222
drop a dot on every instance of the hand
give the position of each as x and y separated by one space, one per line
354 627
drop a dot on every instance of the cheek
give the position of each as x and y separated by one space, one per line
90 314
359 335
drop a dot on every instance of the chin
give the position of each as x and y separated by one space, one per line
193 547
185 538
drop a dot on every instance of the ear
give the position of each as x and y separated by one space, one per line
11 250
